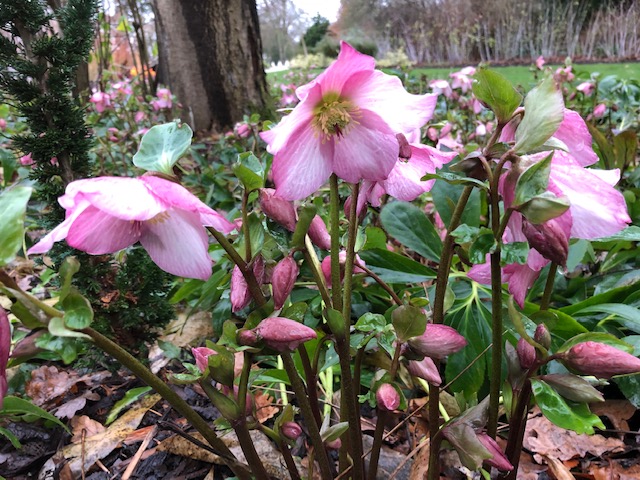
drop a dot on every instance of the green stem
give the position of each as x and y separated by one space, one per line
245 227
442 279
517 429
334 212
307 413
312 381
348 264
144 374
382 417
252 283
548 287
312 260
288 460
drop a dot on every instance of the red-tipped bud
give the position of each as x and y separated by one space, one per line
600 360
240 295
291 430
542 336
278 209
549 239
437 341
526 354
499 460
387 397
5 346
283 334
319 234
201 354
283 278
405 148
342 256
425 369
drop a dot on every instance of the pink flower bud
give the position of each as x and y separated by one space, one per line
247 337
404 147
387 397
437 341
526 354
548 238
334 444
283 334
201 354
291 430
3 124
278 209
283 278
319 234
342 256
587 88
600 360
5 346
26 347
599 110
426 370
240 295
542 336
540 61
139 116
258 269
242 129
26 160
499 460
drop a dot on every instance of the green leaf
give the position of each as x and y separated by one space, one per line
305 216
334 431
606 150
410 226
408 321
629 316
482 245
170 350
162 146
70 266
249 171
515 252
371 322
58 328
12 438
533 181
543 114
455 179
394 268
78 313
576 417
625 145
18 406
446 196
13 205
375 238
221 365
630 386
129 397
544 207
497 93
631 234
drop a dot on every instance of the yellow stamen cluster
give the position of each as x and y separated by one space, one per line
159 218
334 116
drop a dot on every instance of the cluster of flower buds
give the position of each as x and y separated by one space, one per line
279 333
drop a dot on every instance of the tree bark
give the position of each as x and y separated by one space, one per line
211 58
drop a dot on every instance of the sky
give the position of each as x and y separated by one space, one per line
326 8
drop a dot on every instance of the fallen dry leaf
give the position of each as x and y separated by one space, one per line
615 470
69 408
265 406
48 384
85 427
617 411
558 469
545 439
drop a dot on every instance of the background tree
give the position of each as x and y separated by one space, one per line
316 32
281 22
210 55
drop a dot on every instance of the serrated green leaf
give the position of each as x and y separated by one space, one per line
576 417
162 146
410 226
482 246
497 93
543 114
131 396
13 205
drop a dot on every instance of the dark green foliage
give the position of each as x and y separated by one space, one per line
316 32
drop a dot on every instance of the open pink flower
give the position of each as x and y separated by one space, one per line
462 79
163 99
101 100
540 61
346 123
107 214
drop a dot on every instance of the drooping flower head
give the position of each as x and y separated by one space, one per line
107 214
346 123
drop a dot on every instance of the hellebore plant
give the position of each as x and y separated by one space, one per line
359 129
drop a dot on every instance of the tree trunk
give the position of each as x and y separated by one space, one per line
211 58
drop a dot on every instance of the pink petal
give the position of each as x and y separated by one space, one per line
60 232
481 272
301 169
385 95
574 133
97 233
368 150
178 244
598 209
520 279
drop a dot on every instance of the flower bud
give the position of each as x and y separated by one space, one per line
405 148
549 239
283 278
201 354
387 397
258 269
247 338
240 295
499 460
600 360
542 336
291 430
278 209
5 346
319 234
334 444
342 257
526 354
437 341
599 110
283 334
27 347
426 370
573 388
3 124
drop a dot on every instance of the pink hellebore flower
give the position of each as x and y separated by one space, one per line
441 87
540 61
599 110
587 88
202 354
499 459
342 256
346 123
5 346
27 160
596 209
101 100
3 124
462 79
107 214
163 99
139 116
600 360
